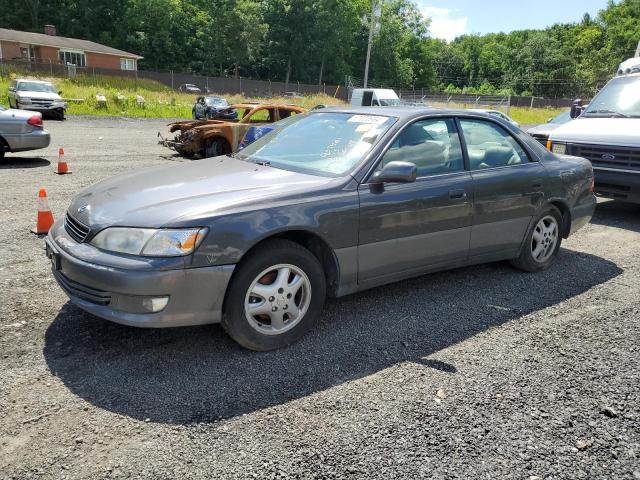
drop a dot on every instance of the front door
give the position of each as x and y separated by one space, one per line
407 227
507 185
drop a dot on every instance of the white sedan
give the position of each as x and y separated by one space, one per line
21 130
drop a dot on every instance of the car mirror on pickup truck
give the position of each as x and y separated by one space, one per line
576 108
396 172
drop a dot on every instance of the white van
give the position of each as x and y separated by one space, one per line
374 97
607 132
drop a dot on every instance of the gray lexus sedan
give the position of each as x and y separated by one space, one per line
337 201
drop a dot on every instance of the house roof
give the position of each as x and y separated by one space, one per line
61 42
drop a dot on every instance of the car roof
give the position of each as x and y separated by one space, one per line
406 112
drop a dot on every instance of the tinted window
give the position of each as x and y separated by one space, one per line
432 145
490 146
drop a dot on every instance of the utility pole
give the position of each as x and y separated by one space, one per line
372 25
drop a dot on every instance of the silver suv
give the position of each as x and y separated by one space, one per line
36 95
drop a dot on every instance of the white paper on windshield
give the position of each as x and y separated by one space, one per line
373 119
364 127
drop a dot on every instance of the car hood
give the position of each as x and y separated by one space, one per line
43 95
600 131
544 129
187 193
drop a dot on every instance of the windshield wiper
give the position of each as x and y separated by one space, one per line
607 112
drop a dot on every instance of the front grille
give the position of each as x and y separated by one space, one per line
99 297
614 157
77 230
40 102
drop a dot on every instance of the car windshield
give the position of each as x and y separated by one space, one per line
2 109
216 102
326 144
36 87
619 98
390 102
564 117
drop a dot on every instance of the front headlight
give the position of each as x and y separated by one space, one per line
149 242
558 148
24 100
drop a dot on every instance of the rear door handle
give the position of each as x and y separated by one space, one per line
455 194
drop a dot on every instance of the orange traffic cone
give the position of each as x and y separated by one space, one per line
45 217
62 163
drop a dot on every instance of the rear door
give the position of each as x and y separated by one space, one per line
507 184
407 227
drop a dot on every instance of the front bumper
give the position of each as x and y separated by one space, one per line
619 185
53 107
21 142
105 287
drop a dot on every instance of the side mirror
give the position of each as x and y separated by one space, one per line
12 89
396 172
576 108
59 92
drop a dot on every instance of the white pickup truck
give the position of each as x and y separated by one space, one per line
607 132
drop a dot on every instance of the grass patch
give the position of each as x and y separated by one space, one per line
163 102
120 92
531 116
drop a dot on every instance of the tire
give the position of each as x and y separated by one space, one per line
538 236
214 149
304 288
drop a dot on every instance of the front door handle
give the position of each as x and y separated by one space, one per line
457 194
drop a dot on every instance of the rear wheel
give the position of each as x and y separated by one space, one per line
542 243
276 295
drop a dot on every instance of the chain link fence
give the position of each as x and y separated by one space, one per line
222 85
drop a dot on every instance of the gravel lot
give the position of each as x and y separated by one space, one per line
482 372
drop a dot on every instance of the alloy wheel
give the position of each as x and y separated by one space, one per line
544 239
277 299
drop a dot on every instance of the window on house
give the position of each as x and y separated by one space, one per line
127 64
73 58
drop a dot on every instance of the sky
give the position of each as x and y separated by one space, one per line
451 18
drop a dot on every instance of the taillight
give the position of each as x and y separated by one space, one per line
35 121
592 184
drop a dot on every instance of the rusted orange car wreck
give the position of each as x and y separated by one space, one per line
209 138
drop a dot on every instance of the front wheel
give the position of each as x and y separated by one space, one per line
275 296
213 149
542 243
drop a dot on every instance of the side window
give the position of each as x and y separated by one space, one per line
261 116
489 145
432 145
284 113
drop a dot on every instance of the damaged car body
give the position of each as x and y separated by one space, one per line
210 138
